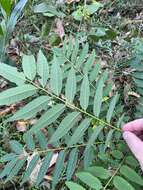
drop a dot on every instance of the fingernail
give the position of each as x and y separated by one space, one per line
125 135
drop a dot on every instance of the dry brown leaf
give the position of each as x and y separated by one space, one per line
21 126
60 28
7 110
71 1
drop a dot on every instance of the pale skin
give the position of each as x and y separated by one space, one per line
133 135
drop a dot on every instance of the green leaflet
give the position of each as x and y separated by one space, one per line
74 186
84 92
70 47
28 138
94 136
98 98
41 139
138 75
121 183
89 180
99 172
58 168
16 147
89 63
15 15
16 94
11 74
30 168
89 155
8 157
94 73
66 124
108 139
79 132
111 108
131 175
56 77
44 167
49 117
72 161
70 89
16 168
31 109
29 66
75 51
82 56
42 68
8 168
138 82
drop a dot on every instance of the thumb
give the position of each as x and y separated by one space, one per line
135 145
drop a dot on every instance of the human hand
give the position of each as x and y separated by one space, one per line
133 135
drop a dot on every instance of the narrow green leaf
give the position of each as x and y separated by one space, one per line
82 56
70 47
16 168
75 51
49 117
29 141
94 73
89 63
79 132
44 167
31 109
16 94
16 147
8 168
29 66
108 139
67 123
84 92
89 180
10 73
138 75
30 168
98 98
112 107
99 172
42 68
130 174
15 15
8 157
56 77
74 186
121 183
58 168
94 136
89 155
41 139
70 89
72 161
